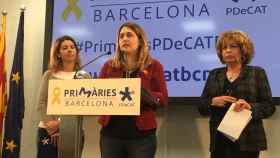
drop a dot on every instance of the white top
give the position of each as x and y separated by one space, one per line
64 75
59 75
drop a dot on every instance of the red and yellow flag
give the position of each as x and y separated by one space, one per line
3 80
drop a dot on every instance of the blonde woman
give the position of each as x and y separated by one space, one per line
133 136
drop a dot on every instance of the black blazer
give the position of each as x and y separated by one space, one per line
253 86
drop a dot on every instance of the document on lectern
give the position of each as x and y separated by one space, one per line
234 123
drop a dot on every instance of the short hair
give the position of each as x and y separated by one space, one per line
241 39
144 57
55 63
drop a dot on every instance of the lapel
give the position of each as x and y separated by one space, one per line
244 72
221 76
242 81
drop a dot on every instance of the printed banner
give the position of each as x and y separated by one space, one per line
181 33
94 97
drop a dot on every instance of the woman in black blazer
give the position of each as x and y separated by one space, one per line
247 87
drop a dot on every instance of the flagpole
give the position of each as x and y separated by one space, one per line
22 8
2 111
15 105
4 13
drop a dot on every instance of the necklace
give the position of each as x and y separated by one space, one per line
233 72
232 76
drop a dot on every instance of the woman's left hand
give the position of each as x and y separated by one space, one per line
55 138
241 104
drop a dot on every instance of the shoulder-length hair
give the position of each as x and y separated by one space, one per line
144 57
55 63
241 39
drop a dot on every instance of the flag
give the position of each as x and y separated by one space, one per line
3 80
15 106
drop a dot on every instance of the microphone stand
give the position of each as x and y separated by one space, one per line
91 61
71 127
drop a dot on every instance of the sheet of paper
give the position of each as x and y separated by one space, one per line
234 123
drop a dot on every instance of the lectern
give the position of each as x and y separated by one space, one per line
71 99
71 135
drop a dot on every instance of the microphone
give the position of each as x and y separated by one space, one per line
149 98
81 74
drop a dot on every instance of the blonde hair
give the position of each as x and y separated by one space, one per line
144 57
241 39
55 63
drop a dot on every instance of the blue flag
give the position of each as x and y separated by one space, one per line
15 106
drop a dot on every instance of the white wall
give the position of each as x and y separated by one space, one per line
182 133
33 59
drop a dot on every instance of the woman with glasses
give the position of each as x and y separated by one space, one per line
246 86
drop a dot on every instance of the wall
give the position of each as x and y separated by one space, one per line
33 59
182 132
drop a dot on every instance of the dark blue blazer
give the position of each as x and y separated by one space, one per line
253 86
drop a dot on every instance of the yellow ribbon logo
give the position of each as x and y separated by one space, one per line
56 94
72 7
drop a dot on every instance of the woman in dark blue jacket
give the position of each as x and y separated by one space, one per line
247 87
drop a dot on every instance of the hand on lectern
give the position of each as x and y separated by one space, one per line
149 99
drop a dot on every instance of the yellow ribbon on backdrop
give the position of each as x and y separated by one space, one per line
72 7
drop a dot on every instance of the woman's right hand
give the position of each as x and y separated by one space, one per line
52 126
221 101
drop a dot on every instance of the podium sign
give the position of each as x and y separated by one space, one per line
94 97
